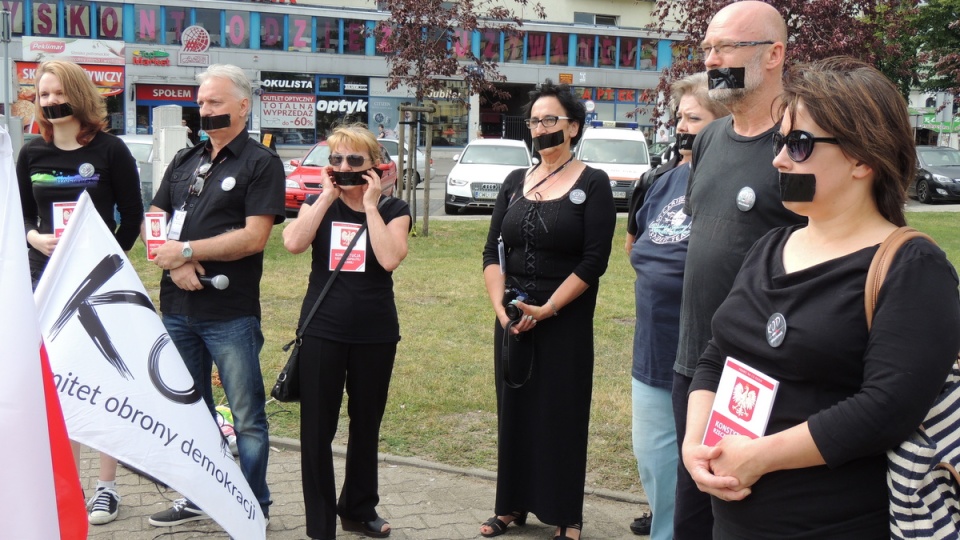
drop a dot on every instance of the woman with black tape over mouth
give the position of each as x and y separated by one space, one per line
351 340
813 463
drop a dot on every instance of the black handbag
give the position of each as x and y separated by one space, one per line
287 387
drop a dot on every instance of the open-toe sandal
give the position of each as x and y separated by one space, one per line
372 529
498 526
563 531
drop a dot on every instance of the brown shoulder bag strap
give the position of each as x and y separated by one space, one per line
881 265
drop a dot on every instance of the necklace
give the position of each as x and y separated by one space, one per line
549 176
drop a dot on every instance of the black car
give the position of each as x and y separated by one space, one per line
938 175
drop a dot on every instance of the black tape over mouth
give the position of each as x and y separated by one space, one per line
797 187
353 178
548 140
52 112
685 141
219 121
731 78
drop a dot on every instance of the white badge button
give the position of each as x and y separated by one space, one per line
228 183
577 196
746 199
86 170
776 329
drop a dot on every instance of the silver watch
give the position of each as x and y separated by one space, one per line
187 251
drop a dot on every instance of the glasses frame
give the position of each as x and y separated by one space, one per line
727 48
548 121
200 178
795 138
353 160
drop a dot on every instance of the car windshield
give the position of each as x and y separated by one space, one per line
140 151
318 157
495 155
940 157
613 151
391 147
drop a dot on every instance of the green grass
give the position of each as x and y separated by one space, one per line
442 406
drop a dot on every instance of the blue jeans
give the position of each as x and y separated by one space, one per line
234 346
655 447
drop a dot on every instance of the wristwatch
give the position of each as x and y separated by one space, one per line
187 251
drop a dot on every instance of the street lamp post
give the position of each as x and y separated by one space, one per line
5 32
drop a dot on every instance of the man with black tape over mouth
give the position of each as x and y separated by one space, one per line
733 198
222 198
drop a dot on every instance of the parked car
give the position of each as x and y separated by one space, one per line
938 175
305 178
619 151
393 146
479 172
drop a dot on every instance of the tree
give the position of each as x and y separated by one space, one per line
875 31
427 40
937 25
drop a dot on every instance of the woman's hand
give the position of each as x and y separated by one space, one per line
44 243
330 190
697 458
738 458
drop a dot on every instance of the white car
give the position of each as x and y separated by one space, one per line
618 150
478 175
421 170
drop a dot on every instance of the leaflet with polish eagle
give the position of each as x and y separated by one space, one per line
743 403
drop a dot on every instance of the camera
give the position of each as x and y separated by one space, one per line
511 294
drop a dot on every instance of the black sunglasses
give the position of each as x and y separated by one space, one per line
353 160
201 176
799 144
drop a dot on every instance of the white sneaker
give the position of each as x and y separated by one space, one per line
103 506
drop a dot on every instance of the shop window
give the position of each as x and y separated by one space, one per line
77 19
648 53
176 20
271 32
110 21
559 53
585 50
513 46
328 35
608 51
300 33
237 30
209 19
16 16
381 34
628 53
45 18
356 36
460 43
536 48
146 24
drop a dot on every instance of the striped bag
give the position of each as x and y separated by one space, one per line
922 478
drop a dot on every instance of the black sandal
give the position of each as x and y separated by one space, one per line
498 526
563 531
373 529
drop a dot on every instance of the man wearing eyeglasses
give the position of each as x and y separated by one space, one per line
733 198
222 199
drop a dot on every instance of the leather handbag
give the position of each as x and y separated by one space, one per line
287 386
922 479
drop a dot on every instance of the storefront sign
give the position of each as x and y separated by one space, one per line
151 58
172 93
292 111
109 81
273 81
80 51
196 41
345 106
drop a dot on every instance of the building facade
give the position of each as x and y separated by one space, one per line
315 65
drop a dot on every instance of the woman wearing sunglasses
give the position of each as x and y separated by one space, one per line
548 245
351 341
796 313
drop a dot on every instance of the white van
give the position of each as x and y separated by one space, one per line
620 149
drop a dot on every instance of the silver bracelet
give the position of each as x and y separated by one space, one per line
553 307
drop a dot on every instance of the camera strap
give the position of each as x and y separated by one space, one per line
515 344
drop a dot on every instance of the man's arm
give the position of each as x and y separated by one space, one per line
229 246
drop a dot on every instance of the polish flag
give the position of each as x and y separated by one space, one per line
41 486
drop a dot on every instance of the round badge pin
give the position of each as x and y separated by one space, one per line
776 329
577 196
746 199
86 170
228 183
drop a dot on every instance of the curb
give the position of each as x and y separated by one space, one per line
341 451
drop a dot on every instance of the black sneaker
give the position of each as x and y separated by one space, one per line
183 511
641 525
104 506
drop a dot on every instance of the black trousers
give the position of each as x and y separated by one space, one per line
326 368
692 514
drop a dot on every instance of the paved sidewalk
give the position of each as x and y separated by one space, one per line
422 501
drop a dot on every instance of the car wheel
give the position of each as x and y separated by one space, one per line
451 209
416 178
923 192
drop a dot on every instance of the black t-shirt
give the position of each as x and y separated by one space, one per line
861 392
104 168
726 166
359 307
246 179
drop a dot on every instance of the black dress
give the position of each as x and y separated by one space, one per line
543 425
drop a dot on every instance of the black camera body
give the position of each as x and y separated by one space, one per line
511 294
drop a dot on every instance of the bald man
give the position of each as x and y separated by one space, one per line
733 197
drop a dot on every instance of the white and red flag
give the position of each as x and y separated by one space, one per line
41 485
122 384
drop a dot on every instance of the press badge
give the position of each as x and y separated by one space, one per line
179 216
502 253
